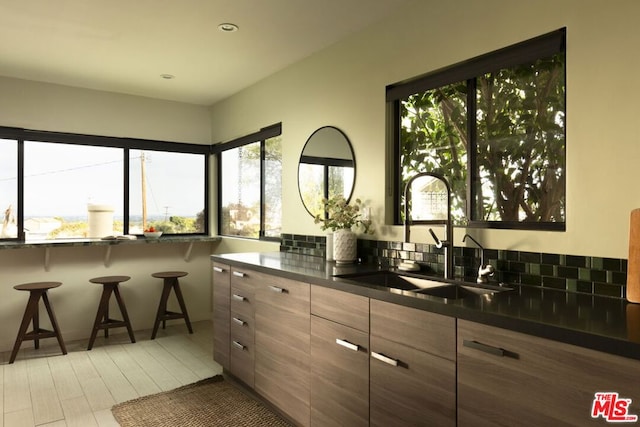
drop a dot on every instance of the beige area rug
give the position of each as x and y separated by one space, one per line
210 402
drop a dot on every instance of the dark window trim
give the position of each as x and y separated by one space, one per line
260 136
326 161
517 54
103 141
520 53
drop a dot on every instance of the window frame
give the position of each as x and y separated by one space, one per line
521 53
260 136
21 135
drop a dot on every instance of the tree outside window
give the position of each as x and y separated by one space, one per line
499 139
250 185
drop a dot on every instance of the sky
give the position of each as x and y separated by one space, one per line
62 179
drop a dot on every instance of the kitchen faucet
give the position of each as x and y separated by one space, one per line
436 179
485 270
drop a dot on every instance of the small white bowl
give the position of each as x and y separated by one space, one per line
152 235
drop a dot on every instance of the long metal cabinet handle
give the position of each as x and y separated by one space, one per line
238 345
381 357
238 273
239 321
239 297
277 289
218 269
347 344
496 351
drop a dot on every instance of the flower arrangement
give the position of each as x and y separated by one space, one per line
342 216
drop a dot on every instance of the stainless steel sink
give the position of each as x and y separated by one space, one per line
458 291
390 279
405 283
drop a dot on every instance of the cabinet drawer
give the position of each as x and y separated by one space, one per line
242 359
242 328
422 330
243 299
284 294
342 307
410 387
339 374
509 378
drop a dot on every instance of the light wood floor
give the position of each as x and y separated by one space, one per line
45 388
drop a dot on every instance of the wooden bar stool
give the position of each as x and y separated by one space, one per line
37 290
170 282
103 321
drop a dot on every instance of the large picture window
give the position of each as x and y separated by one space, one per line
494 126
166 192
61 186
61 183
9 188
250 185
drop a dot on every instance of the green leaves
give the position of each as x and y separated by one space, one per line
341 215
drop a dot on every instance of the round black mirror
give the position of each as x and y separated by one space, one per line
326 168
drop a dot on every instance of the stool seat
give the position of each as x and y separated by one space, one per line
37 286
37 291
170 282
109 279
110 285
169 274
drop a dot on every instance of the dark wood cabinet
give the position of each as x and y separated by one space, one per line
283 342
412 367
325 357
339 358
506 378
221 313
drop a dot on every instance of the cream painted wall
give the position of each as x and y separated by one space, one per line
344 86
50 107
76 301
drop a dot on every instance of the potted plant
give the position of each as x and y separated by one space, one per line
342 218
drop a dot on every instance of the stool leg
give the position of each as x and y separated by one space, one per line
30 310
183 307
123 310
54 322
36 324
162 307
106 319
102 309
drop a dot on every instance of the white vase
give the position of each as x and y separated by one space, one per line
329 247
345 245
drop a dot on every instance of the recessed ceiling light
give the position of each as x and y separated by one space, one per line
228 27
168 76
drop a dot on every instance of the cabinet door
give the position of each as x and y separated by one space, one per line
412 367
410 387
221 313
506 378
283 344
339 375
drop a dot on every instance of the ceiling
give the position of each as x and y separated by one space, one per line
126 45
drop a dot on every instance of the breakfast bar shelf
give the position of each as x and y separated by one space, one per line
108 245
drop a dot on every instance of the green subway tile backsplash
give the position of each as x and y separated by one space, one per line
573 273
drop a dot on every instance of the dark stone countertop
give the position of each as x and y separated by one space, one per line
599 323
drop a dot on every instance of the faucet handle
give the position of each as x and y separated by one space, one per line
438 241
